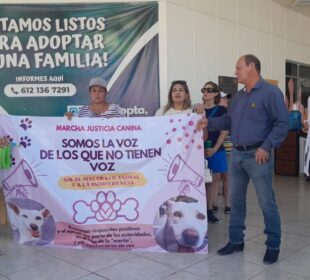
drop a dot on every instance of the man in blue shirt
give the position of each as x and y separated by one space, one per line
258 122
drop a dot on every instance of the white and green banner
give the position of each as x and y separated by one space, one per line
48 54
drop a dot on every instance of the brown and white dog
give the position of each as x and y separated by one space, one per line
185 226
28 222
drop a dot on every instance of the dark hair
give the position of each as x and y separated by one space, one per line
250 58
187 103
218 90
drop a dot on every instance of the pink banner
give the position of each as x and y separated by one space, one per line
138 185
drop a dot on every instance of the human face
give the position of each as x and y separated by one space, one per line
243 71
178 94
209 92
97 94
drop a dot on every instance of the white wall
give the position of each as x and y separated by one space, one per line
201 39
206 37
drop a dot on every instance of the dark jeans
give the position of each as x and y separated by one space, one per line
243 168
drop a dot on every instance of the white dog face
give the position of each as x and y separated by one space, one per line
29 222
188 223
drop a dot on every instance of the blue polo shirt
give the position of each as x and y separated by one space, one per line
256 116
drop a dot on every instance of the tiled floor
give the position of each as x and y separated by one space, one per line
293 196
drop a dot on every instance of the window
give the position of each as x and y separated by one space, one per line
297 87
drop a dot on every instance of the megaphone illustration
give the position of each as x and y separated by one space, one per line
179 171
20 178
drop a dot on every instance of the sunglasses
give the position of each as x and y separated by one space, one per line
209 90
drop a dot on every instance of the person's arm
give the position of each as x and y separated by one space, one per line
305 124
218 144
199 109
279 116
220 123
220 140
290 86
202 124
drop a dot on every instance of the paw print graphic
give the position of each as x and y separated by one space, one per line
106 206
13 160
21 192
9 138
25 142
25 123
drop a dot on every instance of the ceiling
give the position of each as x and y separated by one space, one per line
300 6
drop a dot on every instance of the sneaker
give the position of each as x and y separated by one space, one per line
211 218
215 208
227 210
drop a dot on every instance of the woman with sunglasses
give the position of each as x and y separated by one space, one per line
214 149
179 100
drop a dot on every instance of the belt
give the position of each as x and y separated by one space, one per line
248 147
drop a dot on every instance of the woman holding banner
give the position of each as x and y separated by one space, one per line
179 100
98 107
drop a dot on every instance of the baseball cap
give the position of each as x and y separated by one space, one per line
227 95
97 81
